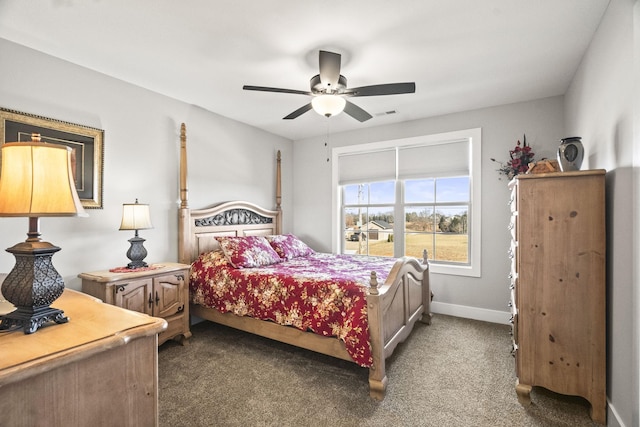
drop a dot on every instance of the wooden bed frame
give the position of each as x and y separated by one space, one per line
393 307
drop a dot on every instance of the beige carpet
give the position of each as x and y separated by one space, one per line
454 372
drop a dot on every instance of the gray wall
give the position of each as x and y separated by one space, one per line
228 160
542 122
601 107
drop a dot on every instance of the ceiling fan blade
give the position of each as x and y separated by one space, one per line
275 89
329 69
385 89
356 112
300 111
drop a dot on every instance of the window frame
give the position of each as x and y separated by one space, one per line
474 137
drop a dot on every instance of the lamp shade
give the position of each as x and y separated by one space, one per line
135 216
36 180
328 105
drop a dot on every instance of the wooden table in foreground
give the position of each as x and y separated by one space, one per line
99 369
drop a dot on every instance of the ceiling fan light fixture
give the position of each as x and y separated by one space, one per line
328 105
329 88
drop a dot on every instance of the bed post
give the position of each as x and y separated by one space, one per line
183 167
183 211
427 295
377 371
278 194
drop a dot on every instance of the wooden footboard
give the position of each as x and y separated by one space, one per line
393 309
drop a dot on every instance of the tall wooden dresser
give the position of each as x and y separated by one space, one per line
558 285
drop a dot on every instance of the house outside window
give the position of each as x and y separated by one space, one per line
398 198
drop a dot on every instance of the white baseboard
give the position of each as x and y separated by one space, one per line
492 316
613 418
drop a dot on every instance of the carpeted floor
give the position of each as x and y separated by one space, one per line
454 372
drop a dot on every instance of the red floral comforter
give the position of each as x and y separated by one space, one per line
323 293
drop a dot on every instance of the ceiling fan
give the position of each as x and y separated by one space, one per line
329 89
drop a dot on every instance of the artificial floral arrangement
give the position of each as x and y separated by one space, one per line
520 157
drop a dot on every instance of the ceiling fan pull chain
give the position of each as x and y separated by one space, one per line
326 142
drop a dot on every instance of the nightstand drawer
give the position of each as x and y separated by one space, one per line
134 295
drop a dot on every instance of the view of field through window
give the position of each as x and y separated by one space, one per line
435 214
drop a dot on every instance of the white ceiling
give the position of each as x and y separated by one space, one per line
462 54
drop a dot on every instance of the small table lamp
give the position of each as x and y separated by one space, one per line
35 180
135 216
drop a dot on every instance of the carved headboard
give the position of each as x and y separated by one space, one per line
198 228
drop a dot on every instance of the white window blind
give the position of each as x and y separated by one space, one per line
367 167
447 159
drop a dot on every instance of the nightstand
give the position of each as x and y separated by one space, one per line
162 291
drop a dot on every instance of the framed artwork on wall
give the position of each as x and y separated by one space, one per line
86 145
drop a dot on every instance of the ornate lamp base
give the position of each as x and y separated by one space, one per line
31 286
30 320
136 252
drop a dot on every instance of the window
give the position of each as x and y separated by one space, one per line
368 218
397 198
436 214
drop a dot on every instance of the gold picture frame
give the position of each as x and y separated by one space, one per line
85 142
